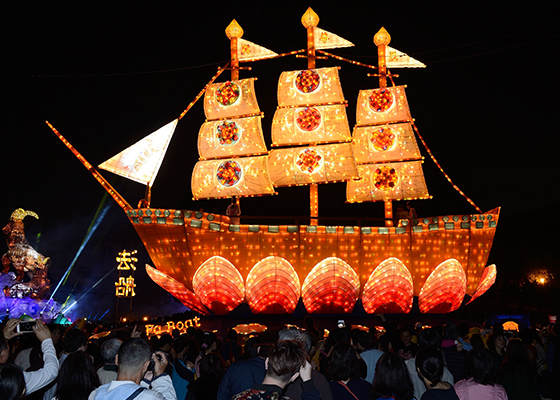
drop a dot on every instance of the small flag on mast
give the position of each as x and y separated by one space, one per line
250 51
397 59
328 40
141 161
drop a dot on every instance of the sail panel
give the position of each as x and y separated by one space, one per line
230 99
388 181
309 87
384 143
235 137
305 125
241 177
327 40
313 164
382 106
250 51
141 161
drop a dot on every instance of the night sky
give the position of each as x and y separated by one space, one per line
107 75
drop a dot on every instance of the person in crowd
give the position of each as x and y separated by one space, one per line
286 362
76 378
391 380
74 340
431 338
346 383
12 383
463 329
477 342
429 365
362 343
404 347
296 388
109 350
553 361
165 343
242 375
234 211
496 343
453 352
310 326
231 351
518 373
133 360
251 350
479 383
209 345
34 380
183 370
212 368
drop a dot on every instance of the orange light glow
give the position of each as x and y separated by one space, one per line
444 289
389 289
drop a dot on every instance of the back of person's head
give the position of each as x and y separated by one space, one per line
232 335
73 340
165 342
175 333
518 359
264 349
477 342
480 367
429 337
361 337
76 378
341 361
180 344
12 383
109 349
212 365
208 339
298 335
133 354
463 329
429 362
451 332
392 378
285 359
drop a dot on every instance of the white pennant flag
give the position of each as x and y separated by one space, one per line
250 51
328 40
141 161
397 59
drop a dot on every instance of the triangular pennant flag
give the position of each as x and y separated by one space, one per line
141 161
251 51
327 40
397 59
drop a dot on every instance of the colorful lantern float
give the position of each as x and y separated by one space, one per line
212 264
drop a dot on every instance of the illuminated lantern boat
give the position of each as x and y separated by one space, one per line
212 264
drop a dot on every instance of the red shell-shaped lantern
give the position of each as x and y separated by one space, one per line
219 285
444 289
273 287
331 287
389 288
488 278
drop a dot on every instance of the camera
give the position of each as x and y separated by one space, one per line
152 363
25 327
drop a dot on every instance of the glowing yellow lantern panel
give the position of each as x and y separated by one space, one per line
382 106
390 181
314 164
444 289
231 99
332 286
228 138
219 285
488 278
177 289
273 287
227 178
385 143
389 288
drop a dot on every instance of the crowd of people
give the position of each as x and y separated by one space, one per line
399 362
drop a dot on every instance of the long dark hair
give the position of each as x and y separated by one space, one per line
391 379
518 362
342 359
12 383
77 378
429 362
480 367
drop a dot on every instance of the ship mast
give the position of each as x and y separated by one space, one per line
381 40
310 20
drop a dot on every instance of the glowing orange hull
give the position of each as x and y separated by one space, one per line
213 266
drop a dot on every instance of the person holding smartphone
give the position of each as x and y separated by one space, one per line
34 380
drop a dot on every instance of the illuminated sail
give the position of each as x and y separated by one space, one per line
231 99
386 151
141 161
397 59
328 40
307 87
250 51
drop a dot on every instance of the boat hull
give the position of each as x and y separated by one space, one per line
329 267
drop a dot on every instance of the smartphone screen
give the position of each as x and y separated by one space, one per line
25 327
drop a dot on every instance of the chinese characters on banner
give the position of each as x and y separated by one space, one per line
125 285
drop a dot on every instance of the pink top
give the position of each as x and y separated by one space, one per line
468 389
